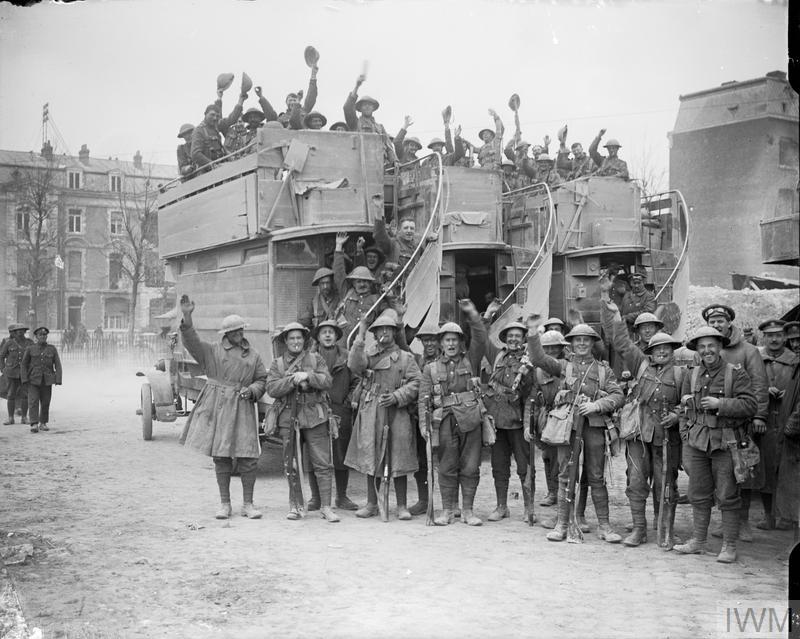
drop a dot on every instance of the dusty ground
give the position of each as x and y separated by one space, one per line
126 546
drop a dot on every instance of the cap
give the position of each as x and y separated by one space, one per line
360 273
367 99
637 275
502 334
772 326
292 326
718 309
231 323
374 248
792 330
543 157
185 129
314 114
706 331
647 318
330 323
612 142
553 338
662 338
41 328
321 273
450 327
582 330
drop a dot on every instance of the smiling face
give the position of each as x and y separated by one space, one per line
451 344
637 285
211 118
430 345
661 354
384 335
709 349
487 136
291 101
367 108
647 330
775 341
514 338
438 148
361 287
407 229
235 337
327 336
612 151
553 350
582 345
372 260
577 149
721 323
315 123
295 340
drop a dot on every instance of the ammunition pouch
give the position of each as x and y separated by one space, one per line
271 417
744 453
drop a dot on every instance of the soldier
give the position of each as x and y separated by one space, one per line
793 336
554 324
657 386
638 300
489 155
338 126
580 165
314 121
740 352
358 299
716 396
401 247
610 166
373 258
382 432
11 354
299 380
411 146
185 164
780 363
243 133
399 139
39 370
592 387
270 114
787 492
206 137
325 302
511 177
542 398
296 110
450 414
546 173
223 423
509 384
365 123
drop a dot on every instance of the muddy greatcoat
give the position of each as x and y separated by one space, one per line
390 370
221 423
787 492
779 374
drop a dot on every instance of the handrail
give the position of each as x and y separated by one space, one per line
533 267
417 251
182 178
684 249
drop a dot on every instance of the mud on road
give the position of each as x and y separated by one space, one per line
125 545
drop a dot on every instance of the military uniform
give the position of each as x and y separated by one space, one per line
634 304
606 165
11 354
40 369
367 124
293 119
207 139
185 164
489 155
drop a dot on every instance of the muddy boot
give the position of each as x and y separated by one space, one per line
35 427
559 532
731 529
529 517
314 502
549 523
224 511
368 510
697 543
328 514
470 518
445 518
294 512
638 534
550 500
342 478
249 511
421 507
604 529
501 511
43 426
222 470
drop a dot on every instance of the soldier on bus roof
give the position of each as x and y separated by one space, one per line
315 121
399 140
489 153
611 165
296 110
207 136
185 164
365 123
547 172
579 165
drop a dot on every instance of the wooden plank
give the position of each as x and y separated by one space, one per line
222 172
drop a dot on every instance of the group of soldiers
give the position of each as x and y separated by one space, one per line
375 407
522 164
29 371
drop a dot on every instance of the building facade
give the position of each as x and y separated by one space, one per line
734 156
83 242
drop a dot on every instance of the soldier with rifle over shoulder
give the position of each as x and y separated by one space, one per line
450 414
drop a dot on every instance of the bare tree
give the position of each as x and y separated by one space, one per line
136 244
650 175
36 196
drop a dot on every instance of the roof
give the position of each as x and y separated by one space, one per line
94 165
769 96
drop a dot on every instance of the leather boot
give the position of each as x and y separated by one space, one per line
638 535
421 507
314 502
368 510
470 518
328 514
224 511
604 529
530 516
294 512
559 532
445 518
249 511
730 532
550 500
342 478
43 426
697 543
501 511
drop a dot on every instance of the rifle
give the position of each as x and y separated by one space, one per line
527 422
383 493
664 534
297 456
574 534
431 475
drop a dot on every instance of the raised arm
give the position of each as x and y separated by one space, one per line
311 95
200 350
598 159
538 357
270 113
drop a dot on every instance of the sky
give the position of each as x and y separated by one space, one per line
123 75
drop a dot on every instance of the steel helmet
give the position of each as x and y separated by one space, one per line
185 129
311 55
434 142
367 99
224 81
550 321
502 334
247 83
553 338
314 114
231 323
450 327
292 326
427 330
337 125
612 142
360 273
662 338
543 157
522 144
17 327
489 131
384 320
253 114
412 140
647 318
320 274
331 324
706 331
582 329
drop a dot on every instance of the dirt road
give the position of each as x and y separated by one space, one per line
125 545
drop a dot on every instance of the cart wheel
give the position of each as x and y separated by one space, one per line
147 413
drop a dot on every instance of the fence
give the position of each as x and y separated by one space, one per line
141 350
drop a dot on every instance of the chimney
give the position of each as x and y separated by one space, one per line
47 151
83 154
137 160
